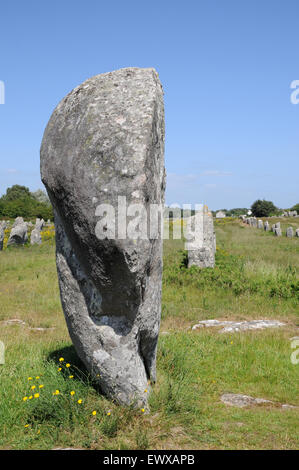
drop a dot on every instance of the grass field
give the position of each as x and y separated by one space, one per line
256 276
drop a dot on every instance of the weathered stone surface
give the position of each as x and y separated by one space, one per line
201 238
266 226
297 232
39 224
241 401
18 234
290 232
18 221
13 321
277 231
260 224
16 321
106 139
253 222
234 326
292 214
36 238
236 399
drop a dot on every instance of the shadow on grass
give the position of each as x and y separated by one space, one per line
79 371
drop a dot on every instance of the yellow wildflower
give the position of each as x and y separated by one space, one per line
30 398
94 413
67 365
26 426
71 376
72 392
29 378
41 386
142 410
108 414
33 387
37 377
59 369
80 401
61 359
25 398
36 395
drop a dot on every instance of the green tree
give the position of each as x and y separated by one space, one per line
18 201
16 192
295 208
262 208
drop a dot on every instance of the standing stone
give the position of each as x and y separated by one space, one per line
266 226
290 232
18 221
1 237
18 234
220 215
277 225
260 224
277 231
292 213
297 232
36 237
201 238
104 143
39 224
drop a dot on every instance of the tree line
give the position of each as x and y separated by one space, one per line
19 201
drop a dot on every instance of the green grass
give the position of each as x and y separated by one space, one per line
256 276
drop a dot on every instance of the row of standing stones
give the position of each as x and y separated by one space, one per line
275 228
19 231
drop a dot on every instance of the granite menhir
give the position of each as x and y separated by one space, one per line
105 139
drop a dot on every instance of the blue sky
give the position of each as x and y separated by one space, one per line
226 68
